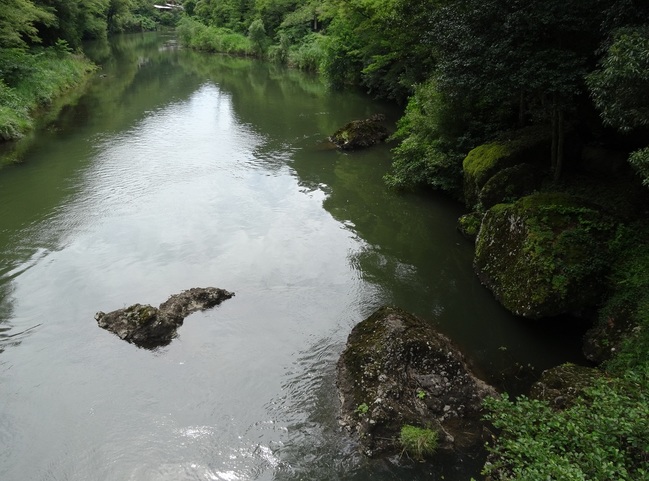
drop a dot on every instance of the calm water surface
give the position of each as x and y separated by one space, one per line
176 170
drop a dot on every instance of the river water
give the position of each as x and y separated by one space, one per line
175 169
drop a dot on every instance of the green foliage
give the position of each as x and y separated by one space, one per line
628 304
431 149
44 75
257 34
362 409
19 20
197 35
310 54
620 87
418 442
640 161
604 435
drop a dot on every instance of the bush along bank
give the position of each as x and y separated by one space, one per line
32 79
577 247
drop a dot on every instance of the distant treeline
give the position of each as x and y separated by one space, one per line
470 68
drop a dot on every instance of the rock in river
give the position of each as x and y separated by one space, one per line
359 134
396 370
149 327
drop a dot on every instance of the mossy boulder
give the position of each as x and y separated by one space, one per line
510 184
561 385
149 327
482 163
359 134
544 255
397 370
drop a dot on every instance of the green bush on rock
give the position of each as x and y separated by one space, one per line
544 255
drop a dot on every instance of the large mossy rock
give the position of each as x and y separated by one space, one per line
561 385
510 184
544 255
149 327
360 134
396 370
528 146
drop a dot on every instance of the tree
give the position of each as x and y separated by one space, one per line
620 86
18 22
530 56
257 34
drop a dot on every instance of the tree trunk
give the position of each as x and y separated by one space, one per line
560 141
555 137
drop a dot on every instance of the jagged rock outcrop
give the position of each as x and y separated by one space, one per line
150 327
359 134
395 370
544 255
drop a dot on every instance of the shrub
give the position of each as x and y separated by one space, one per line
604 435
418 442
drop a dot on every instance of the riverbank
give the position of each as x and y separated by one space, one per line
32 79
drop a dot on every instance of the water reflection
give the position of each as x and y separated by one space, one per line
176 170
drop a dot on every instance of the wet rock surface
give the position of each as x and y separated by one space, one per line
395 370
149 327
360 134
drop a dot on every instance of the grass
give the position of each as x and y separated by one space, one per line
418 442
31 79
199 36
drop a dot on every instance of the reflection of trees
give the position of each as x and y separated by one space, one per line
270 98
7 338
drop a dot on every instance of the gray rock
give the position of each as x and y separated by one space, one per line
149 327
359 134
396 370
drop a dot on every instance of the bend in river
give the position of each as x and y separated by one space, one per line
177 169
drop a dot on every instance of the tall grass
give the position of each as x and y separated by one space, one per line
196 35
30 79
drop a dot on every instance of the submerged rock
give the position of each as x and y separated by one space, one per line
359 134
149 327
395 370
544 255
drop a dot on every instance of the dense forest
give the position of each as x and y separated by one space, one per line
563 85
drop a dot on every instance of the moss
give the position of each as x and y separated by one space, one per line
361 133
485 161
509 184
545 255
469 225
562 385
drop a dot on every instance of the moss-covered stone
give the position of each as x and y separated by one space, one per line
469 225
359 134
397 370
561 385
544 255
149 327
483 162
510 184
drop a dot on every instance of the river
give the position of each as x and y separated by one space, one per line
174 169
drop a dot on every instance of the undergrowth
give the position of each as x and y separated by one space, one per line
32 78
